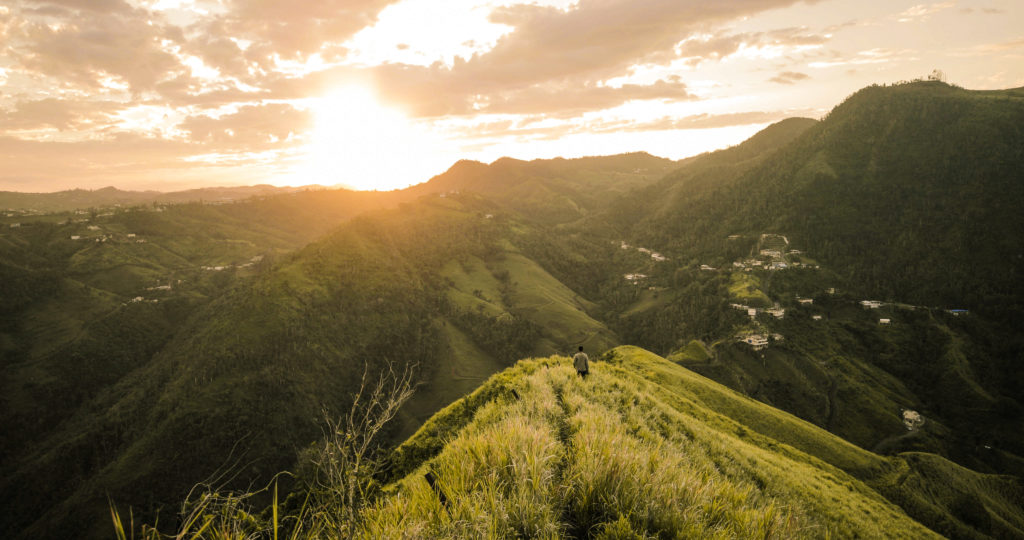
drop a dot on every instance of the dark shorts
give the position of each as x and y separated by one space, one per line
583 373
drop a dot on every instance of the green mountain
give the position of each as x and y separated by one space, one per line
448 283
230 369
902 194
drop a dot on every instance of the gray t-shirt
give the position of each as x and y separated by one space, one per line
581 362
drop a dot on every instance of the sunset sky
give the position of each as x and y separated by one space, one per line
174 94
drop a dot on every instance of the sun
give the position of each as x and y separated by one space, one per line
359 143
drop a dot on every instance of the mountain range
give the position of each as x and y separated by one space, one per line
799 293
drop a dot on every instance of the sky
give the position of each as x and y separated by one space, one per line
381 94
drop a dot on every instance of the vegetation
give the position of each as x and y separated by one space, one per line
133 368
644 448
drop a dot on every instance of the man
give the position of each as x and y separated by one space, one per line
581 363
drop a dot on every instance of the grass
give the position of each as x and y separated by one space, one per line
631 451
561 312
746 288
694 352
642 448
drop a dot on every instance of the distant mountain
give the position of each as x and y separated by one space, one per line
552 190
62 201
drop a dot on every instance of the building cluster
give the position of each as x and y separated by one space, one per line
776 311
658 257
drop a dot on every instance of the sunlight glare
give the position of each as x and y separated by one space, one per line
359 143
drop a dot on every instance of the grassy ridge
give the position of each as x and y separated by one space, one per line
642 448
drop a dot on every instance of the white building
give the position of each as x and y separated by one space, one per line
871 304
756 341
884 321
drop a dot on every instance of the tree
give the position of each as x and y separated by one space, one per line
347 460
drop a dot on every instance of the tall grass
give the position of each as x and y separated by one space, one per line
621 454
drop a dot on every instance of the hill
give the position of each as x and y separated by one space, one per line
552 191
642 448
436 283
899 189
74 199
886 198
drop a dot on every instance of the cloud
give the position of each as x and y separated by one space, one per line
292 30
82 42
573 99
60 114
789 77
922 11
253 127
530 127
701 48
559 59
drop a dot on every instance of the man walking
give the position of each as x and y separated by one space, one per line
581 363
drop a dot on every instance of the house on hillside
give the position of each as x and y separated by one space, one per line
707 267
75 237
805 301
773 253
634 278
871 304
658 257
957 312
756 341
816 317
15 225
778 313
884 322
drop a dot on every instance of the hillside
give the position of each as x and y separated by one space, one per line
436 283
899 189
886 199
644 448
552 191
641 448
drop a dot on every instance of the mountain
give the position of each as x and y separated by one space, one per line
74 199
447 283
903 194
900 189
486 264
552 191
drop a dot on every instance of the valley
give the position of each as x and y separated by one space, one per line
724 296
